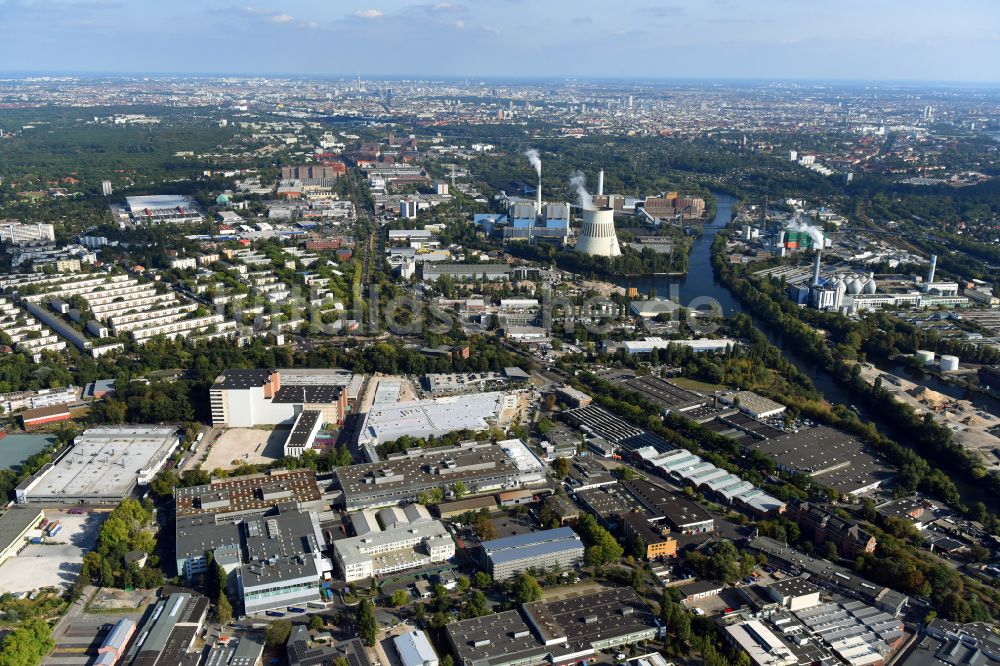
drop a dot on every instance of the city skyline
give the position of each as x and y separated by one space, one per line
714 39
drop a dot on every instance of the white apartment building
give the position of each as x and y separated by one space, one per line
14 231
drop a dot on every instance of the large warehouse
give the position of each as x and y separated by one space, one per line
434 417
482 467
103 465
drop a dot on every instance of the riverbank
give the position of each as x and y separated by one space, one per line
965 486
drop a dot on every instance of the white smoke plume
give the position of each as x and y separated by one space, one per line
814 232
579 181
535 159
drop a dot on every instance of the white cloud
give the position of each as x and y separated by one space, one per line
368 14
310 24
459 24
281 18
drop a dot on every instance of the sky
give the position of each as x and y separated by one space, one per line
914 40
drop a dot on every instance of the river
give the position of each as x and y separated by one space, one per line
700 282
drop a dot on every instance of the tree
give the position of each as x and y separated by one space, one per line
400 598
459 489
277 633
526 588
561 467
483 580
316 622
223 609
366 622
484 528
27 645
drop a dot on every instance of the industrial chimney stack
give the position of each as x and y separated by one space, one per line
538 202
815 280
930 271
600 183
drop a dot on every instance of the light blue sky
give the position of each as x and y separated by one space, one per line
957 40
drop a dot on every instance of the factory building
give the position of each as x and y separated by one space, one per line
483 467
559 632
168 635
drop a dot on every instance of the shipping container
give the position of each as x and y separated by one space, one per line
275 614
296 609
55 530
37 539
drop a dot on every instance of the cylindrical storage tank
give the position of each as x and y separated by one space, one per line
924 357
949 363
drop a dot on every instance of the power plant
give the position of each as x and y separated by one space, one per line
598 237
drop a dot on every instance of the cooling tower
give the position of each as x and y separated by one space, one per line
598 237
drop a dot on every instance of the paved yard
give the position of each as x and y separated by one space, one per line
53 564
238 446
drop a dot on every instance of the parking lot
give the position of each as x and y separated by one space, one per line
239 446
53 564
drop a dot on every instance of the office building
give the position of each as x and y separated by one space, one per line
284 561
654 538
403 546
822 525
103 465
507 557
794 593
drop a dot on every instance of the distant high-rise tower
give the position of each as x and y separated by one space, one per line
598 237
106 188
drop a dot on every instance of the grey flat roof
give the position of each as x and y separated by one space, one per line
239 378
14 522
532 544
678 511
303 428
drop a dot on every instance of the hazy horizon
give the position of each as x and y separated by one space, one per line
781 40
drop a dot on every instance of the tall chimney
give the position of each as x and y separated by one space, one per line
600 183
538 203
815 280
930 271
